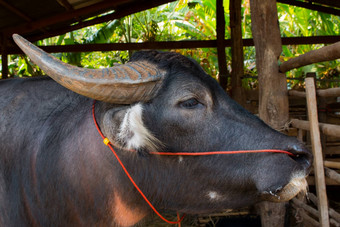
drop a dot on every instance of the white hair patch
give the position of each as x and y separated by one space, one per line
134 134
214 195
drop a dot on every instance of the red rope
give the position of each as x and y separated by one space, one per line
129 176
179 220
221 152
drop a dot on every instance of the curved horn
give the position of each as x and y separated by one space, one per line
124 84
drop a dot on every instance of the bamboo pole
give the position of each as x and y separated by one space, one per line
327 129
327 53
317 152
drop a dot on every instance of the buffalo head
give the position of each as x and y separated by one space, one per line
163 101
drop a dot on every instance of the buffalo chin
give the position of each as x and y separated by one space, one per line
295 186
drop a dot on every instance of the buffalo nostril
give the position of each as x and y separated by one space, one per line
301 155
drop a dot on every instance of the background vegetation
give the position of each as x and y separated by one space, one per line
192 20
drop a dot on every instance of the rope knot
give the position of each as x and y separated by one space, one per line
106 141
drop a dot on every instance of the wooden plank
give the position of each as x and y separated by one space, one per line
326 53
317 152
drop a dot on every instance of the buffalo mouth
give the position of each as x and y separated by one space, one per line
297 185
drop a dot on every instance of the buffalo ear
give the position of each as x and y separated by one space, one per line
126 128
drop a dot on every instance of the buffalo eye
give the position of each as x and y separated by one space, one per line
190 103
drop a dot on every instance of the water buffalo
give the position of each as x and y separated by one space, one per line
56 171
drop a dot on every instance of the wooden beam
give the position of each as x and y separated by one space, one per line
310 6
4 56
220 37
150 45
66 5
119 13
124 46
65 16
326 53
304 206
331 164
331 3
332 150
328 129
15 11
227 42
329 92
237 58
4 65
317 152
310 221
332 212
332 174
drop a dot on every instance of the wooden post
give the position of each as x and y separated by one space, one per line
273 95
300 134
4 57
220 30
317 152
237 59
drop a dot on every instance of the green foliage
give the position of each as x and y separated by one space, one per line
295 22
191 20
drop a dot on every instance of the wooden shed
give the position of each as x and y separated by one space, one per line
40 19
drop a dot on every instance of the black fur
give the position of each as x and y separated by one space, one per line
55 170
